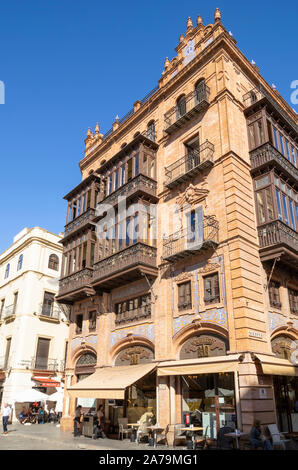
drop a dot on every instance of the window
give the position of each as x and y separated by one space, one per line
116 179
265 209
15 302
211 289
129 169
48 304
122 175
275 138
181 106
293 299
281 144
274 297
256 133
133 309
42 354
278 204
74 209
79 324
2 307
7 352
200 89
53 262
136 159
20 262
92 254
92 320
7 271
184 295
151 130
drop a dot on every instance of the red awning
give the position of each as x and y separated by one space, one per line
45 382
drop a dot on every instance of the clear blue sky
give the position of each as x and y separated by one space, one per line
67 64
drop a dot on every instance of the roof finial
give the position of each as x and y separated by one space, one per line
199 20
189 24
96 130
181 38
89 133
217 15
167 63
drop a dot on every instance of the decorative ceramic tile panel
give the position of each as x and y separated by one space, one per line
92 339
189 51
75 342
217 316
146 331
276 320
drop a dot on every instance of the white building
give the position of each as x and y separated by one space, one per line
33 327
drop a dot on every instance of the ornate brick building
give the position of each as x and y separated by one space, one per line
187 303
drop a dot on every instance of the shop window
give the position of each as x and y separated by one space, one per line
293 300
53 262
211 289
184 296
274 296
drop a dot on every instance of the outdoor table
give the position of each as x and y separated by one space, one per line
155 429
134 427
236 436
193 430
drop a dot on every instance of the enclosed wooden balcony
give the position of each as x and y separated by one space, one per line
193 104
82 221
277 240
259 97
75 286
186 243
140 186
125 266
190 165
267 156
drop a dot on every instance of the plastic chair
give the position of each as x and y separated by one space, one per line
142 432
163 435
201 443
277 437
123 428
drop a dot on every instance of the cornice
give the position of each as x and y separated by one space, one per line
26 244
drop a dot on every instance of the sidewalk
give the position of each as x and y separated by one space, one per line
51 436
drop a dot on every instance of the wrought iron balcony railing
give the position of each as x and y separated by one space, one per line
276 233
51 311
189 165
9 311
186 242
267 154
40 363
259 93
194 103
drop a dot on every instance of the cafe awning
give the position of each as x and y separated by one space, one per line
206 365
44 382
110 382
272 365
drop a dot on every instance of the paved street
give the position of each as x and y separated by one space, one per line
49 437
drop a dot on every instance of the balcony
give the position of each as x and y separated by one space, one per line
187 243
125 266
140 185
267 155
75 286
257 97
276 239
44 363
52 313
195 102
190 165
9 313
81 221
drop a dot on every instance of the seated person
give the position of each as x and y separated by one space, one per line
23 416
256 437
148 418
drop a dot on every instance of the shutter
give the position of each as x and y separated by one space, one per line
188 293
42 353
215 287
181 294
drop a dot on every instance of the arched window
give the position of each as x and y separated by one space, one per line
20 262
151 131
181 106
7 271
123 145
200 90
86 359
53 262
136 134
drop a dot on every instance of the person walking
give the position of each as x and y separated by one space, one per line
6 413
77 420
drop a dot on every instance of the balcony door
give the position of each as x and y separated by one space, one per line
194 233
192 153
48 303
42 354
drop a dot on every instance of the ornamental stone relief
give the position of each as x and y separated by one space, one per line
192 195
203 346
135 355
283 347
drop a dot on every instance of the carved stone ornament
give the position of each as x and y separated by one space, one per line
184 276
192 196
203 346
134 355
209 267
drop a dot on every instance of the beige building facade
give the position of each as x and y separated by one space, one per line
199 276
33 327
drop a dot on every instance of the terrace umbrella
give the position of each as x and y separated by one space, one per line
30 396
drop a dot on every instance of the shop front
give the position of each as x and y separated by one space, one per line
127 389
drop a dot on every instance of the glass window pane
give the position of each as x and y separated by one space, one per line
281 144
285 207
292 214
278 204
275 138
